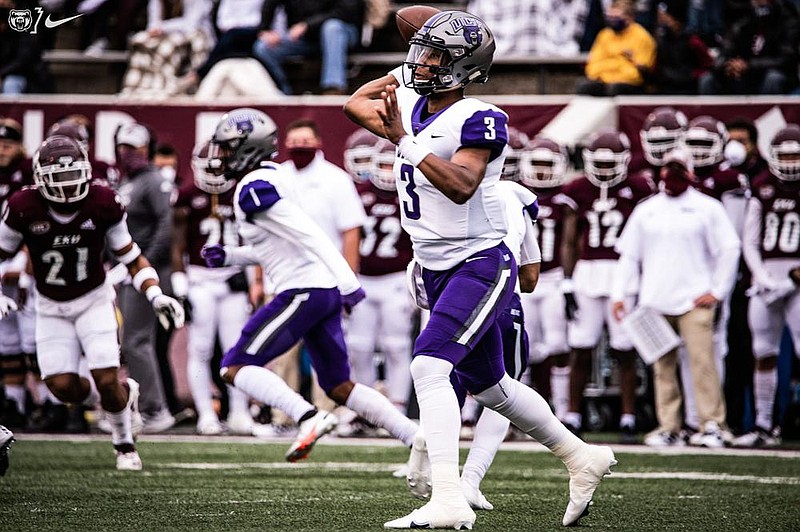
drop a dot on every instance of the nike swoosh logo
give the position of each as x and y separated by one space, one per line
414 524
437 136
475 258
54 24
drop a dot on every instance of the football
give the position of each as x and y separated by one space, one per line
410 19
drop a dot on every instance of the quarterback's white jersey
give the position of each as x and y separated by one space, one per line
520 204
443 232
293 251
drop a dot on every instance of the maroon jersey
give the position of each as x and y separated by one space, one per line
548 227
12 179
67 256
207 223
385 246
715 181
780 216
600 221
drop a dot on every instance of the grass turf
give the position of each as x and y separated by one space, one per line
241 486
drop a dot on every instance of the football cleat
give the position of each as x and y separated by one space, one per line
158 422
437 515
137 424
712 436
664 439
759 438
310 431
6 439
418 478
584 479
209 426
240 423
128 461
476 499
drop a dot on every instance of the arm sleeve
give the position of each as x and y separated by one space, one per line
529 250
726 248
287 220
118 236
486 129
10 239
241 256
751 244
629 248
627 269
157 250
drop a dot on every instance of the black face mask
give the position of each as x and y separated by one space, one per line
617 24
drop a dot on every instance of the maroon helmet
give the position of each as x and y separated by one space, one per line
516 142
661 132
61 170
606 158
206 170
358 151
381 171
72 129
705 140
543 164
784 153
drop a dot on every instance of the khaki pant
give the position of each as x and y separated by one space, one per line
696 327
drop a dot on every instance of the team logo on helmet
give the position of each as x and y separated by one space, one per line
469 28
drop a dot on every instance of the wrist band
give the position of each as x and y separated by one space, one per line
567 285
152 292
411 151
143 275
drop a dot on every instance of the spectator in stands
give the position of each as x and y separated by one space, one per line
759 53
682 57
706 19
621 55
237 26
176 32
21 66
326 27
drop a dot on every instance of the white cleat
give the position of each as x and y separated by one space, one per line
6 439
418 477
241 424
209 427
133 404
436 515
584 479
129 461
475 498
310 431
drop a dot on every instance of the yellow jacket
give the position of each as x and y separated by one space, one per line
607 61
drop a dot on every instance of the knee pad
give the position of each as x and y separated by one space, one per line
426 366
500 396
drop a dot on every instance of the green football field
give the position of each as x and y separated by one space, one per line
236 484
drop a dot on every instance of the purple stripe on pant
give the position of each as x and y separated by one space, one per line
466 302
312 315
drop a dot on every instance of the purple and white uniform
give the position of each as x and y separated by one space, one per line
304 267
468 272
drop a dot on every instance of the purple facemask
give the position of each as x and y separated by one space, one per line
302 157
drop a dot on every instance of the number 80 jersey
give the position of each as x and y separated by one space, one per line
444 233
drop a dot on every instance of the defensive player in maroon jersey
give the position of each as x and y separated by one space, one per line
661 133
77 128
203 215
67 223
358 151
384 318
15 355
543 170
597 206
772 251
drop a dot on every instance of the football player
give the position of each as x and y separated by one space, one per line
384 319
218 298
661 133
543 170
77 127
516 142
312 280
596 207
67 223
450 158
6 439
358 151
772 251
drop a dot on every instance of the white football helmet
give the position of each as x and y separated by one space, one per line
661 132
358 151
61 170
543 164
705 140
606 158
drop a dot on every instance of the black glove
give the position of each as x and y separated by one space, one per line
187 308
570 304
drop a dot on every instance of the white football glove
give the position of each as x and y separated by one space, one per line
169 311
7 306
781 290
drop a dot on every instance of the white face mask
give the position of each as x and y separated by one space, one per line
168 173
735 153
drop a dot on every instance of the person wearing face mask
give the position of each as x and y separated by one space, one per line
684 251
146 196
759 53
331 200
622 55
682 56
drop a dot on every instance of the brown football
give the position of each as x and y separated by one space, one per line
410 19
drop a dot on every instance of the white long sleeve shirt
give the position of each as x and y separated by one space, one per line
681 248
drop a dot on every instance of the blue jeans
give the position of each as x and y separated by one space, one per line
772 82
14 84
335 39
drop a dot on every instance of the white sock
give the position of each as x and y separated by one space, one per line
263 385
198 374
378 410
42 392
120 426
490 431
441 421
94 396
627 420
530 412
16 393
238 402
559 390
470 410
765 383
573 418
